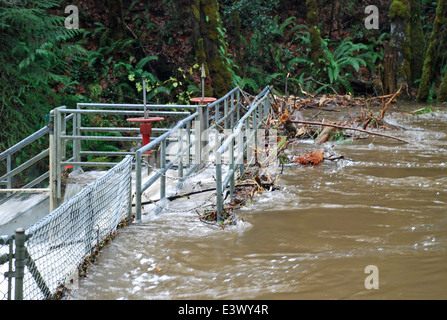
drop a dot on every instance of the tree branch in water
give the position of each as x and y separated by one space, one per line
349 128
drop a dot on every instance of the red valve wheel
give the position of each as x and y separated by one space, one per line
204 101
146 127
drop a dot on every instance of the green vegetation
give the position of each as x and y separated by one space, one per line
35 56
312 45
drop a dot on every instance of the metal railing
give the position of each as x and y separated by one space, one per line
54 247
192 135
59 136
7 180
242 143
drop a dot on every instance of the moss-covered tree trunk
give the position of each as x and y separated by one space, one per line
210 46
316 50
399 13
432 57
417 41
388 72
442 94
404 56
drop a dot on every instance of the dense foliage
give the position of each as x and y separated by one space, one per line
35 54
44 65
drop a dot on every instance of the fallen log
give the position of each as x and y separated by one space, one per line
349 128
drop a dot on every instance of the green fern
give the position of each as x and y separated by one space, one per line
36 53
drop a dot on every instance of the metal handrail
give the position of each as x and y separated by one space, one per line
161 140
60 159
132 106
229 144
25 142
11 173
202 125
232 109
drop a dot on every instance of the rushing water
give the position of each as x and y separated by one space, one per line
384 204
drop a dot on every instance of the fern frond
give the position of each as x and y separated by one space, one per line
144 61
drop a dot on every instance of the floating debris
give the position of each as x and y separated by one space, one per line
310 159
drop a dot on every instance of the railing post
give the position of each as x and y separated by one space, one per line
63 132
76 142
200 146
247 133
52 160
255 129
129 210
216 112
58 158
238 103
226 113
232 112
240 148
219 204
162 167
188 143
180 165
138 186
233 168
20 263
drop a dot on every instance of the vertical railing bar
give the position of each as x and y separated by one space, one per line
10 258
52 161
217 112
138 181
180 165
75 146
162 167
202 131
226 113
238 103
77 143
58 128
129 208
207 123
240 143
233 111
63 133
20 263
197 141
232 167
188 143
219 204
247 126
255 129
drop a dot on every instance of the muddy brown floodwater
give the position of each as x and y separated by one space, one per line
384 204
